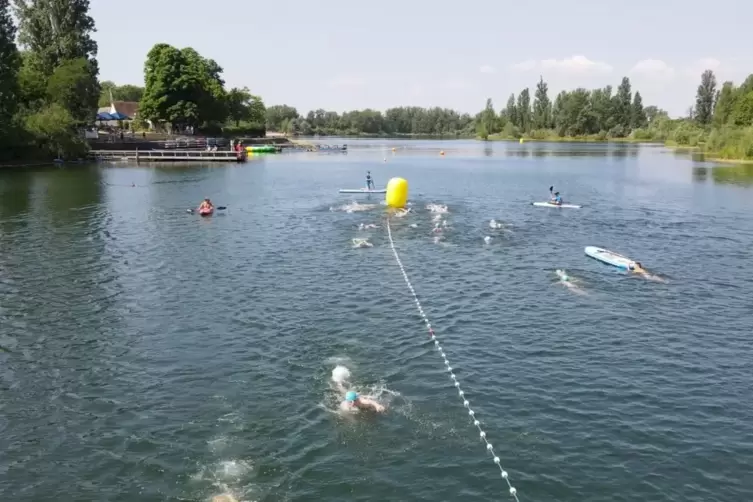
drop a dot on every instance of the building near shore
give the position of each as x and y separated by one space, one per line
118 113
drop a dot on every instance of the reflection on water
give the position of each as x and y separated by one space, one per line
15 194
725 175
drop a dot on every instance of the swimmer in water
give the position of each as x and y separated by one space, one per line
355 402
637 268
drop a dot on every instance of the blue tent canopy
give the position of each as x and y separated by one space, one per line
119 116
104 116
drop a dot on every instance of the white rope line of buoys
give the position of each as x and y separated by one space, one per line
453 377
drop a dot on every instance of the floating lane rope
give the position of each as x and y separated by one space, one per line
453 377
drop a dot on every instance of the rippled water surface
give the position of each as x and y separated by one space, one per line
147 354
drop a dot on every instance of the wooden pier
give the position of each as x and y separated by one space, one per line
167 156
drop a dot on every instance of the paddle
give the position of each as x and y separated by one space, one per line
218 208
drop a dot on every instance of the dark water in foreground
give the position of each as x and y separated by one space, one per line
147 354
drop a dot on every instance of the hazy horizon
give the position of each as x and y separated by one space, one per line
345 56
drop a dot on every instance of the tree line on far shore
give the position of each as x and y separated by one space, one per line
721 122
50 91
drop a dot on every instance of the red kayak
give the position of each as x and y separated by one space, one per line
206 211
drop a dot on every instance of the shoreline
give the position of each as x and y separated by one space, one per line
708 156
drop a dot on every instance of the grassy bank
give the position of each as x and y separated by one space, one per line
594 138
727 144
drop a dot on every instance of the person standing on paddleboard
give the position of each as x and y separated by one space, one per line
369 181
555 198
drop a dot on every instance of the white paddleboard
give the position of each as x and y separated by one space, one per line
362 190
549 204
609 257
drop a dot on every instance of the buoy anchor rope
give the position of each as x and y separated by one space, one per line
453 377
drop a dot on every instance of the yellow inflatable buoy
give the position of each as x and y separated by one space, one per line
393 149
441 152
521 140
397 193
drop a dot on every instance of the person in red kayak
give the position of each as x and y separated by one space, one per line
206 206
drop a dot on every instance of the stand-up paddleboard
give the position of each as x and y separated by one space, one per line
549 204
609 257
363 190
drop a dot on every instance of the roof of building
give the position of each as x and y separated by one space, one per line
129 108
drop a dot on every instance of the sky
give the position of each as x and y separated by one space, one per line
341 55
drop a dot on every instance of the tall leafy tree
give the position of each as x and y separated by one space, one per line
725 104
71 87
705 97
523 109
242 105
56 30
622 107
511 111
9 66
489 117
277 114
55 33
542 107
602 107
638 114
182 88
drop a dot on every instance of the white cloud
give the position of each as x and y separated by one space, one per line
654 69
523 66
577 64
347 81
487 69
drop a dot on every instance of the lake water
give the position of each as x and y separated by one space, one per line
147 354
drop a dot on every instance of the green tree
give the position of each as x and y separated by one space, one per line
182 88
602 107
256 110
652 113
32 85
72 87
511 111
10 63
277 114
622 109
638 115
742 114
54 33
239 104
54 130
56 30
489 117
542 107
725 104
523 110
705 96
